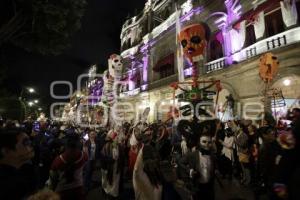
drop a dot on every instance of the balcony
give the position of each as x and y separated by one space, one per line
215 65
283 39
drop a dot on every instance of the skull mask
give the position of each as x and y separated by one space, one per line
205 142
193 39
115 65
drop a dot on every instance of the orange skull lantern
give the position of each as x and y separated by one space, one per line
268 67
193 39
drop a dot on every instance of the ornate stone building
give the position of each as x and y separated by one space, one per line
242 30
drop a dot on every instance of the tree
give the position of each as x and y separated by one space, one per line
11 108
42 26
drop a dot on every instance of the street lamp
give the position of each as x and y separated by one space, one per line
36 101
287 82
30 103
40 109
31 90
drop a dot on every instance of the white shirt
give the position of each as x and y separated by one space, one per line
93 151
227 147
205 168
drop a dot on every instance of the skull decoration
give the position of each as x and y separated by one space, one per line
205 142
193 39
268 67
115 65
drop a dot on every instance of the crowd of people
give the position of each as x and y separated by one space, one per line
54 160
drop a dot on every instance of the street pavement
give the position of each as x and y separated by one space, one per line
230 190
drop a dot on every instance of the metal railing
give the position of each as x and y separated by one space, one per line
251 52
276 42
215 65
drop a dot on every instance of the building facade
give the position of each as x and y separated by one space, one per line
241 31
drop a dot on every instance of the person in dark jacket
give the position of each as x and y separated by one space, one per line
91 147
16 151
199 166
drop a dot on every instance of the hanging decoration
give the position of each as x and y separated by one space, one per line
268 69
193 39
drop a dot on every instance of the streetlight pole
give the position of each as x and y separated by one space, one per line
23 105
22 101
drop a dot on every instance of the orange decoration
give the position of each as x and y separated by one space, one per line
193 39
268 67
174 85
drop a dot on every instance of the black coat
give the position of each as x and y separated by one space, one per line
16 183
191 161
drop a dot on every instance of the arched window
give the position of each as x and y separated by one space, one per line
215 47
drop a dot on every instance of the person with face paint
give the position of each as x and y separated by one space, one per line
199 167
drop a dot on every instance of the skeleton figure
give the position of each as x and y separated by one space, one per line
110 76
115 65
199 165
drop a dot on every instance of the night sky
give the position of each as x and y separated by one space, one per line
98 38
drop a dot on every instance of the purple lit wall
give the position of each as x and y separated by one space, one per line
131 84
145 48
95 91
225 22
145 68
194 11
